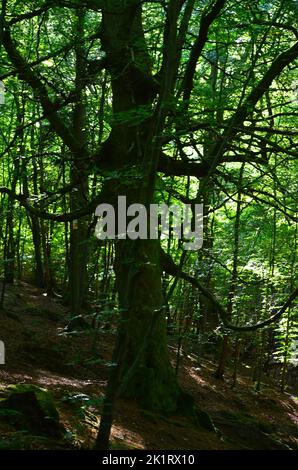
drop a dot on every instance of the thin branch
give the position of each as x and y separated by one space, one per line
171 268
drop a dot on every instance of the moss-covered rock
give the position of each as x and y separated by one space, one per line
13 417
20 440
35 408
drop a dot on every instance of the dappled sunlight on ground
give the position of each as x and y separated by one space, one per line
197 378
127 437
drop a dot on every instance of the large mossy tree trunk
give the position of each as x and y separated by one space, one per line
137 264
143 328
143 370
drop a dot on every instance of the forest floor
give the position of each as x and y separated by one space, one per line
74 369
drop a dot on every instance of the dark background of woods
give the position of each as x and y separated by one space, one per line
174 102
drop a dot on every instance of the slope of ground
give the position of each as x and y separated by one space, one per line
74 369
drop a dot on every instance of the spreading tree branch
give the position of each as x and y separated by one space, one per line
171 268
171 167
24 201
207 19
237 120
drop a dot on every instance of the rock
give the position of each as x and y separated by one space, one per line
36 407
13 417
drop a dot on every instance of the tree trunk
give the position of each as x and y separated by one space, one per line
130 146
138 275
78 251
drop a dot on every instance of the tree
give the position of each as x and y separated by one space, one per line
170 89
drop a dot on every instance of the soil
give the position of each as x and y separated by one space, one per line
74 367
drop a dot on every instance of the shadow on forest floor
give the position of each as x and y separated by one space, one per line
75 373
